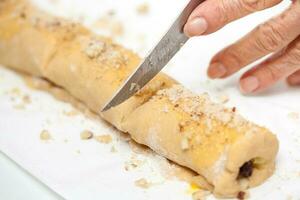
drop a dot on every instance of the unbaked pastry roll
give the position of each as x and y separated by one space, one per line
231 153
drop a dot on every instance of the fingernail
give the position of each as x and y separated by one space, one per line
249 84
217 70
196 27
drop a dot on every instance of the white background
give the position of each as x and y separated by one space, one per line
97 174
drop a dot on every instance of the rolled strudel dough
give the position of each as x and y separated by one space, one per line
231 153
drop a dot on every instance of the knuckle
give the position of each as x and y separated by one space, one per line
234 58
293 56
252 5
270 37
224 12
274 73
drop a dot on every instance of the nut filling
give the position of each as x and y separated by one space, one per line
246 170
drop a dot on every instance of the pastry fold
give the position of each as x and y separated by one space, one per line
231 153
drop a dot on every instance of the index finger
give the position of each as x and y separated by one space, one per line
212 15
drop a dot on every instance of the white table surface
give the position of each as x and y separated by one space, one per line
15 183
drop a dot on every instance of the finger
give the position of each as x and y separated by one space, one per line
212 15
276 68
263 40
294 79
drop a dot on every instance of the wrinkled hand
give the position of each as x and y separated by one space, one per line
280 36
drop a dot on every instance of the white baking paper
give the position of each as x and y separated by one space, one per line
77 169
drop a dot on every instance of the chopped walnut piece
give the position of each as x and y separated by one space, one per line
45 135
105 139
94 48
142 183
86 135
185 144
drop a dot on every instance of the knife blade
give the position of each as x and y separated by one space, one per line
158 58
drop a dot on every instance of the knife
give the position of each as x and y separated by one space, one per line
159 57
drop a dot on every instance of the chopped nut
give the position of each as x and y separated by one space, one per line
234 109
142 183
86 135
223 98
165 109
105 139
143 9
45 135
133 163
94 48
185 144
134 87
200 195
26 99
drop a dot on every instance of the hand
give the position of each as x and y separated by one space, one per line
280 36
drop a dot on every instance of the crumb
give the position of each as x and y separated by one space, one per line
242 195
66 140
70 113
142 183
134 87
165 109
105 139
111 13
223 98
185 144
94 48
133 163
200 195
113 149
143 9
78 152
26 99
86 135
294 115
45 135
234 109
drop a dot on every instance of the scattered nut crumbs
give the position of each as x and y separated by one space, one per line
105 139
294 115
202 107
94 48
133 163
142 183
45 135
143 9
86 135
200 195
